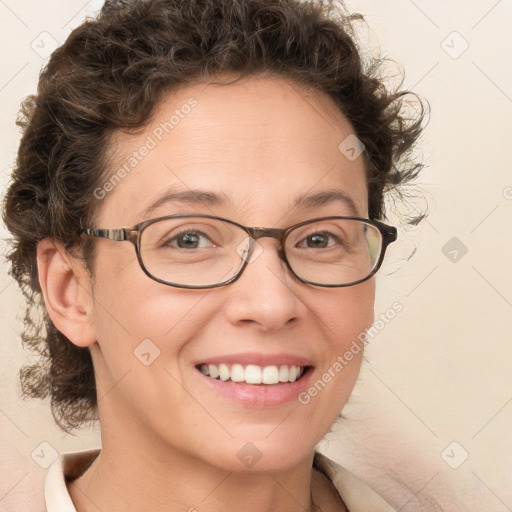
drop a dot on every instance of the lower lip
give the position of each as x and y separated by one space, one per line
260 395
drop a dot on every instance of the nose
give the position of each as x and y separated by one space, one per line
266 295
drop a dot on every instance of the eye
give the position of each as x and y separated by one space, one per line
321 240
188 239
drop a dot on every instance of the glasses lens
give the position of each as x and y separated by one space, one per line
193 251
334 251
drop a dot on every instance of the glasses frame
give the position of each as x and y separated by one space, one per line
134 235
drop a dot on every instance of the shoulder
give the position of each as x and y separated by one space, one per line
356 494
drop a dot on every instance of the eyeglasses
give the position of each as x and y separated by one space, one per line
204 251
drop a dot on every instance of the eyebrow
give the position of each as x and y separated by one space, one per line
212 199
325 197
193 197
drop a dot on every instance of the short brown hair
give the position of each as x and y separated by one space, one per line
110 75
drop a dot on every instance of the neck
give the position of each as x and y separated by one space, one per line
143 481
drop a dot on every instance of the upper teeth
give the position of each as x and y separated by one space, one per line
253 374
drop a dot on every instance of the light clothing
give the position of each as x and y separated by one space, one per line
356 495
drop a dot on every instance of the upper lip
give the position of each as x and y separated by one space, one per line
258 359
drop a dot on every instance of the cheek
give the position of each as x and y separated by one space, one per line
142 330
131 308
343 315
344 320
346 313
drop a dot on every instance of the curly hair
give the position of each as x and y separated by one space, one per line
110 75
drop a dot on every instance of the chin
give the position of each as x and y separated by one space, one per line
274 453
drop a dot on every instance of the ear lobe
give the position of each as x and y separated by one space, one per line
67 292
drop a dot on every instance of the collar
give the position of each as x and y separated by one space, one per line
67 467
357 495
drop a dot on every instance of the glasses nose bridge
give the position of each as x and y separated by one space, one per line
278 234
257 233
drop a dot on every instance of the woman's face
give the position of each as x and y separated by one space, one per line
260 144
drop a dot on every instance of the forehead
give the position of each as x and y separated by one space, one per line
259 143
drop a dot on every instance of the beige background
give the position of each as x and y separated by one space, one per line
440 371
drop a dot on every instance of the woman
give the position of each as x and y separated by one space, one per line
215 354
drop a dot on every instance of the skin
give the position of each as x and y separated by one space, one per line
168 441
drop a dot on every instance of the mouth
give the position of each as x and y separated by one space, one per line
253 374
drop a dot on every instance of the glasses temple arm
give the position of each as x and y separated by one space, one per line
117 235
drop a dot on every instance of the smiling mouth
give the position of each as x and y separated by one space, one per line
253 374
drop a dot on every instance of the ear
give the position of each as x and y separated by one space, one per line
67 292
